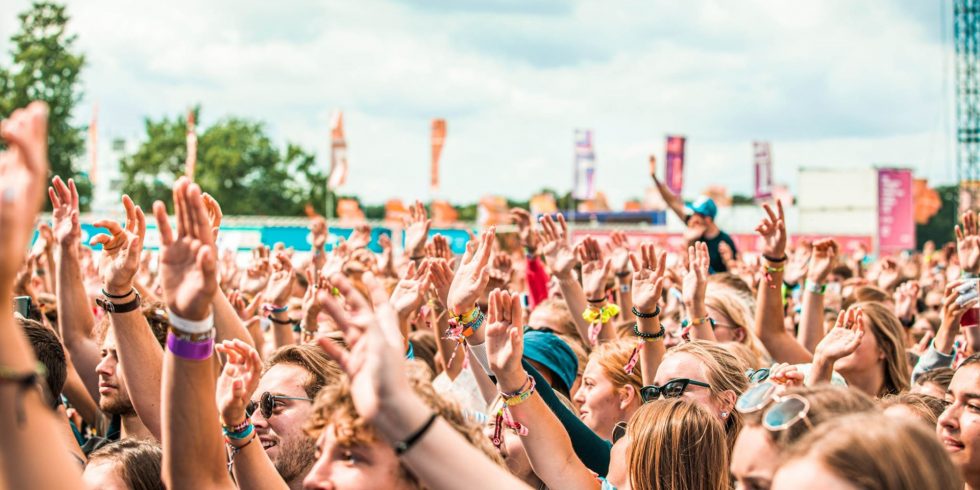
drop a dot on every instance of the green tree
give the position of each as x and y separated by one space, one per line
237 163
45 66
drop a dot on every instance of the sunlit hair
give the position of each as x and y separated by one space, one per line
890 335
137 462
735 283
926 407
724 371
564 316
676 444
612 357
425 350
827 402
334 410
875 452
734 305
323 370
744 354
941 377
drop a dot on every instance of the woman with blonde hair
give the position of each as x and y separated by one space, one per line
731 317
870 452
608 393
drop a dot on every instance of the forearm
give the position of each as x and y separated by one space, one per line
652 353
811 321
821 371
700 325
946 336
49 282
75 319
142 358
190 426
449 350
623 287
769 323
574 296
282 333
254 470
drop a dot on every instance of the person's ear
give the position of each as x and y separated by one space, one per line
627 395
727 401
739 334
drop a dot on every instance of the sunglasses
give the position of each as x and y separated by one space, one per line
671 389
783 412
267 403
757 375
618 431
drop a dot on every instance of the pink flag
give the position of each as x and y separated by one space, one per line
675 163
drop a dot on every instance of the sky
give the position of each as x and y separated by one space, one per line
834 83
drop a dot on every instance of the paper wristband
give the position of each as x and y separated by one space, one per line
185 349
191 326
480 353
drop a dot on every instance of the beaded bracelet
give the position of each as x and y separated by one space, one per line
640 314
236 428
239 435
523 387
649 337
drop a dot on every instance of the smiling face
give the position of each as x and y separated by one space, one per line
602 404
959 425
282 434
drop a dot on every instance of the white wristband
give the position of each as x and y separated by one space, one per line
191 326
480 353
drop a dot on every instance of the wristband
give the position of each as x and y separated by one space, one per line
814 287
280 322
640 314
271 308
520 397
191 351
111 307
649 337
237 428
118 296
774 261
191 326
596 301
623 274
241 434
403 446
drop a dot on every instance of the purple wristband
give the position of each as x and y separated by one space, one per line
185 349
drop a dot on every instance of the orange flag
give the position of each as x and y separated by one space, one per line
338 152
191 162
438 138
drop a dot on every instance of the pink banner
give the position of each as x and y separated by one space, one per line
675 164
746 243
763 169
896 210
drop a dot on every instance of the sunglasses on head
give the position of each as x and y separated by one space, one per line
267 403
671 389
783 412
757 375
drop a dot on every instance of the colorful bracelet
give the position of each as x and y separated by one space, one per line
237 428
239 435
640 314
271 308
189 350
697 321
523 388
814 287
520 397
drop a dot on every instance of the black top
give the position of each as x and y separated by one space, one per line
717 263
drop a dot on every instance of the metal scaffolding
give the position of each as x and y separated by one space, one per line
966 34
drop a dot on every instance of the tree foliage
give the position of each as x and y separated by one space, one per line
237 163
45 66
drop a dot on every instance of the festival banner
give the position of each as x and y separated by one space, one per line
438 140
763 169
93 144
584 185
338 152
675 164
896 223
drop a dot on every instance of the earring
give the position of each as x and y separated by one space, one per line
724 415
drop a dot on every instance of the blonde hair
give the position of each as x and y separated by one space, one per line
874 452
926 407
676 444
827 402
744 354
725 372
733 305
890 336
612 358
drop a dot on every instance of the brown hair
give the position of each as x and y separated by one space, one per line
424 348
137 461
827 402
890 335
873 452
612 357
564 316
676 444
941 376
323 370
926 407
736 283
49 352
724 372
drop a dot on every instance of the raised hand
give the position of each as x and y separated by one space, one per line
695 282
386 261
500 269
648 277
319 231
822 261
955 305
23 169
472 276
844 338
214 214
525 228
238 380
787 375
968 243
337 258
417 226
281 282
64 212
619 252
311 306
359 238
410 292
796 268
595 269
257 274
905 298
889 275
441 278
555 245
772 229
505 340
188 268
122 250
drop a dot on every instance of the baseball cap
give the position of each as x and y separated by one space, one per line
703 206
552 352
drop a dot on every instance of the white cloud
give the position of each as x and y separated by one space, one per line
829 83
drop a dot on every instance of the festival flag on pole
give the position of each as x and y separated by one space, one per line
338 152
93 144
675 163
763 169
584 185
191 162
438 140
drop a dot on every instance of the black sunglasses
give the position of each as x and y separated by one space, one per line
671 389
618 431
267 402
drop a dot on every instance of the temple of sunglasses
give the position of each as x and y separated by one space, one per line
671 389
267 403
784 411
757 375
618 431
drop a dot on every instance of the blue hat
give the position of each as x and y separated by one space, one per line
703 206
552 352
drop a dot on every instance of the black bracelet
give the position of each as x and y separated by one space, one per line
774 261
640 314
600 300
111 307
113 296
418 257
648 336
403 446
280 322
623 274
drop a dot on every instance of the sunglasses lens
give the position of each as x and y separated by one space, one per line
268 403
784 414
760 375
618 431
674 389
755 398
250 408
649 393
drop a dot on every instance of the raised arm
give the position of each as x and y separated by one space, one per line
595 270
276 299
557 251
75 319
188 271
674 202
32 454
450 350
417 226
693 289
648 286
409 295
619 255
137 347
822 260
769 312
840 341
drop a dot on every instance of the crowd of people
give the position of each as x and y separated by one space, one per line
550 364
